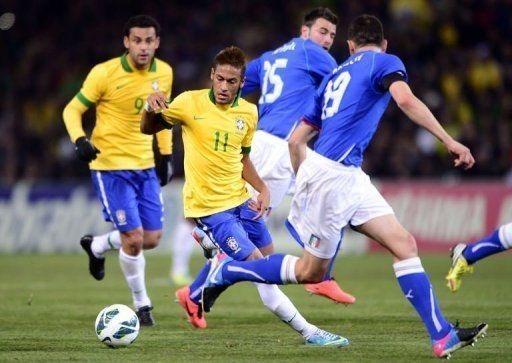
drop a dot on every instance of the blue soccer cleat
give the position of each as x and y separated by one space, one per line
323 338
458 338
214 284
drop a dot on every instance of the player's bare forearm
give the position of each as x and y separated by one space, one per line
149 124
419 113
297 144
250 175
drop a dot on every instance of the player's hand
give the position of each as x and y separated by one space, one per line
262 204
165 170
156 102
462 154
85 150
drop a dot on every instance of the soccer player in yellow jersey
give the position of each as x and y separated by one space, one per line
121 158
218 127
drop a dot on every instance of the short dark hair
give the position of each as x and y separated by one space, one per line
319 13
366 29
141 21
233 56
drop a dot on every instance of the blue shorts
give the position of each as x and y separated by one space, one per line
130 198
235 232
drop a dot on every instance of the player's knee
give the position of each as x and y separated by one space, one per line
132 241
152 239
409 247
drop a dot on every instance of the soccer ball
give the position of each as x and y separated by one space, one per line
117 325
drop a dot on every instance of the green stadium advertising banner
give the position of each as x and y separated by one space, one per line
52 218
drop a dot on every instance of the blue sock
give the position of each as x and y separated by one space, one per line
485 247
266 270
417 288
195 287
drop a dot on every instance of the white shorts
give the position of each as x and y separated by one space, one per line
271 158
328 196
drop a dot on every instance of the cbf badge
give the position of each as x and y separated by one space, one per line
240 124
121 217
155 85
233 244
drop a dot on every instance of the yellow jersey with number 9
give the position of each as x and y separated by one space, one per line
119 91
214 138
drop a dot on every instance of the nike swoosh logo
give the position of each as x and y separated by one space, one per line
120 86
199 118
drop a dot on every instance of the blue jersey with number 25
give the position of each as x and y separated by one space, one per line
349 104
288 78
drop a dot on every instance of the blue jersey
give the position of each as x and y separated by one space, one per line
288 78
349 104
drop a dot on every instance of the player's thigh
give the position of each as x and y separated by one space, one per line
118 196
256 228
390 233
320 209
226 230
150 202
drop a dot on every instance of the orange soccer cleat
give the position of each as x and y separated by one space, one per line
331 290
194 312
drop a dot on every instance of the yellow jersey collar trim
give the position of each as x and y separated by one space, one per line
235 102
126 64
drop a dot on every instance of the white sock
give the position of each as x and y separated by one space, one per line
505 235
277 302
288 275
133 268
182 244
105 242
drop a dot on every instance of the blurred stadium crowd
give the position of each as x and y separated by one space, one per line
458 55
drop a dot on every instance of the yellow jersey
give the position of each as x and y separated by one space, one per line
119 91
214 138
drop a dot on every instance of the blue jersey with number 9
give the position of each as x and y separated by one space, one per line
349 104
288 78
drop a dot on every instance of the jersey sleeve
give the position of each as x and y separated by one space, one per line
252 77
94 86
164 137
319 62
313 116
385 65
177 109
247 141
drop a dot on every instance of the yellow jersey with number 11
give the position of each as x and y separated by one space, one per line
214 137
119 91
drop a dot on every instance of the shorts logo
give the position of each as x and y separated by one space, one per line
121 217
233 244
314 241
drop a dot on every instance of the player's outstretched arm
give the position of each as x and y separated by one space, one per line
420 114
298 142
155 103
250 175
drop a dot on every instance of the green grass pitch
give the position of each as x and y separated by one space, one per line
48 305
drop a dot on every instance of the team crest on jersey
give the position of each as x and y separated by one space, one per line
233 244
314 241
121 217
240 124
155 85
